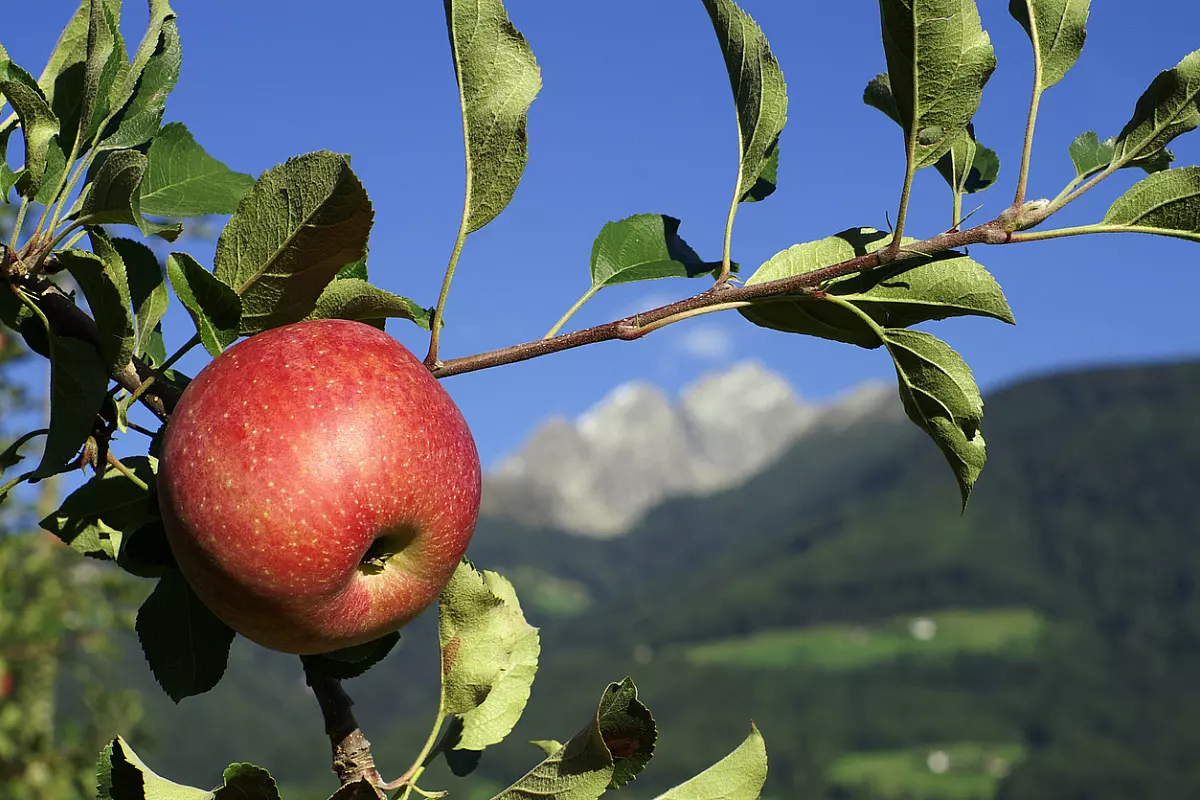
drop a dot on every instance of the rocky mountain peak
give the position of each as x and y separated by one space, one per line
598 474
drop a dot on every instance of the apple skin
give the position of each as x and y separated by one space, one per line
318 486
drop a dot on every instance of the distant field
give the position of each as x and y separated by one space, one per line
1012 632
549 594
963 771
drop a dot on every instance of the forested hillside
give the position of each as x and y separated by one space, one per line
1044 645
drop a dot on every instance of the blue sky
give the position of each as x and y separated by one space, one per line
636 116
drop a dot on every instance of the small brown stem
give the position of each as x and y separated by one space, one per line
352 759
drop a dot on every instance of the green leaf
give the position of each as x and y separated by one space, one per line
8 178
768 181
968 167
105 65
78 386
247 782
95 518
738 776
185 644
69 50
11 455
939 59
38 122
498 79
115 196
1170 107
56 165
908 292
547 746
1090 155
628 729
147 288
358 269
140 119
300 224
1057 30
940 396
759 94
353 298
214 307
1166 202
184 181
121 775
353 661
101 276
808 314
641 248
581 770
923 288
489 655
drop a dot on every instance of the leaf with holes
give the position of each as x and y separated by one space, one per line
301 223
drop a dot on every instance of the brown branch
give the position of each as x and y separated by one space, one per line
995 232
68 319
352 759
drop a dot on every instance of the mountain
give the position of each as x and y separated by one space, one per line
1043 646
597 475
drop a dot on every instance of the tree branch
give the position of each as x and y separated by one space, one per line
998 231
352 759
68 319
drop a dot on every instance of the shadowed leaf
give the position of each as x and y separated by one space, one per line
759 94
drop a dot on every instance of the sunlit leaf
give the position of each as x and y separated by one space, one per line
1170 107
738 776
498 79
939 59
1167 202
214 307
301 223
1058 31
184 181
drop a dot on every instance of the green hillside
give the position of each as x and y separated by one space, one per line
1066 621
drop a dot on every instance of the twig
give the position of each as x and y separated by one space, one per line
630 328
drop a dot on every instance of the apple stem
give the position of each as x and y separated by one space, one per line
352 759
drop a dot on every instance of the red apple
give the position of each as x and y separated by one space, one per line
318 486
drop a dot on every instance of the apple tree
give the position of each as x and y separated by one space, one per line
101 175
